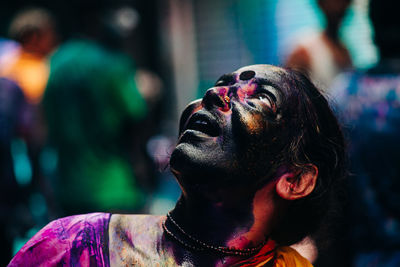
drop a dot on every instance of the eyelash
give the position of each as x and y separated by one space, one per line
263 95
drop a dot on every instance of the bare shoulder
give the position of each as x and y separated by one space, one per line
133 221
133 227
135 239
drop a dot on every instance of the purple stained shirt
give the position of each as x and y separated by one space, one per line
80 240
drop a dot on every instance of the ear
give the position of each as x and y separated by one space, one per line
291 186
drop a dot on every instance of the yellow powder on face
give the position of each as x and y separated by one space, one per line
254 123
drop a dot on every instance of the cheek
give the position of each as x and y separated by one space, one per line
258 145
254 123
249 123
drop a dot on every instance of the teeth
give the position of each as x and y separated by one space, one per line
201 122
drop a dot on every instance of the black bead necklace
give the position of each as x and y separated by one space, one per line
201 246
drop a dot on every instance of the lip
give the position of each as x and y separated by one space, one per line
204 123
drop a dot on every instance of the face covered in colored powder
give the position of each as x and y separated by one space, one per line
231 136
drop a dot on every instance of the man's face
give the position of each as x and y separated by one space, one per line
232 134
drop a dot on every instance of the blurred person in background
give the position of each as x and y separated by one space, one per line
322 55
94 129
370 105
92 105
24 71
34 29
98 107
27 65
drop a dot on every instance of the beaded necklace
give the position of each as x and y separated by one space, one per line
201 246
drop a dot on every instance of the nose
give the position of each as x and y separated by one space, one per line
217 97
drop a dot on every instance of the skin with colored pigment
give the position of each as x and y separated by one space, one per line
236 187
224 163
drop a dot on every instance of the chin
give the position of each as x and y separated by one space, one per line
187 160
178 159
195 166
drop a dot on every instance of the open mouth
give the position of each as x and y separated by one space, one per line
204 124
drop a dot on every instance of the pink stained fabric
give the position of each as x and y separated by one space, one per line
80 240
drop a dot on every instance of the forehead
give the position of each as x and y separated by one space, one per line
260 74
268 72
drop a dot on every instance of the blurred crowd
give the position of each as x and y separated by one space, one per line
76 119
80 128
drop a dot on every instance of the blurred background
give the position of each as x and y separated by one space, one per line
91 91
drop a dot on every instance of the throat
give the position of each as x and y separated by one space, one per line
213 225
213 233
203 253
175 231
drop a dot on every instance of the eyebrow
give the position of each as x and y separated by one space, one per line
263 81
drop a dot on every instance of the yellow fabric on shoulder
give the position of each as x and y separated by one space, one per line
289 257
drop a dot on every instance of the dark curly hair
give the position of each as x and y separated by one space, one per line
319 140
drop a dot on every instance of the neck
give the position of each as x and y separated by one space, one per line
243 224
